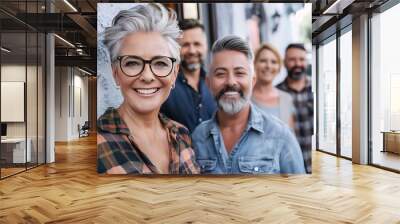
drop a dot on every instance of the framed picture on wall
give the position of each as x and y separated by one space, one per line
12 100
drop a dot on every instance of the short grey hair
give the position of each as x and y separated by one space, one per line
151 17
234 43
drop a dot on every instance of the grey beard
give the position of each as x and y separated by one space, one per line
191 67
233 107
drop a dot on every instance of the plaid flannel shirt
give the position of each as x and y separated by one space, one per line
117 152
304 103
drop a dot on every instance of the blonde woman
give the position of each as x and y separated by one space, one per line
267 65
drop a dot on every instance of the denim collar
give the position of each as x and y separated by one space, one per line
256 121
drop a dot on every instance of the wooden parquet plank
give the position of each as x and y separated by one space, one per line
70 191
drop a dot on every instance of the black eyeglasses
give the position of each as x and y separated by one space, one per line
132 66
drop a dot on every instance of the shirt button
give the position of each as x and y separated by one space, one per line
256 168
200 120
200 105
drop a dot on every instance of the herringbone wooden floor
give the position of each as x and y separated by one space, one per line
70 191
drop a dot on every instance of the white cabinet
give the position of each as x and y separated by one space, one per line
18 149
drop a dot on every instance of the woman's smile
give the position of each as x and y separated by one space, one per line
147 91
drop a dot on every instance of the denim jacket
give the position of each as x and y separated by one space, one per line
267 146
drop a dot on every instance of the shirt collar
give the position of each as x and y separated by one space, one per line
182 78
112 122
255 122
214 130
306 88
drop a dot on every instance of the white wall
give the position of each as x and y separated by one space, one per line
80 100
71 94
61 103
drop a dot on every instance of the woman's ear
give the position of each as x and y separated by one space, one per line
114 69
175 72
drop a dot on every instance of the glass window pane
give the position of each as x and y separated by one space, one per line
327 96
385 89
346 94
31 97
41 98
23 84
13 86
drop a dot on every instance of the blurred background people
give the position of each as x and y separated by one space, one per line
298 85
191 102
267 64
135 137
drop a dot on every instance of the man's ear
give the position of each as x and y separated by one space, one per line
208 81
254 79
285 63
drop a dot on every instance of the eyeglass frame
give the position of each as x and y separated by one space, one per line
119 58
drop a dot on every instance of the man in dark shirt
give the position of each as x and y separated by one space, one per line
298 85
191 102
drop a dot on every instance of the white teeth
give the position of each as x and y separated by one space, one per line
147 91
231 93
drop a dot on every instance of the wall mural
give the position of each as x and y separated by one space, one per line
162 110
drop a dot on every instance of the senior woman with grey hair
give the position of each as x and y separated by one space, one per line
135 138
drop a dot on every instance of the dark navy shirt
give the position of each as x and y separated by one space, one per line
187 106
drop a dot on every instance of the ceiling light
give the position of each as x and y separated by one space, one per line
5 50
65 41
84 71
70 5
338 6
333 6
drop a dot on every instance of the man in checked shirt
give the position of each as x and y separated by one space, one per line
298 85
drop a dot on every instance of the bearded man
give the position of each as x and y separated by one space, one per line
239 138
190 102
298 85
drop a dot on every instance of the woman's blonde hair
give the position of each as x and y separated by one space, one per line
271 48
